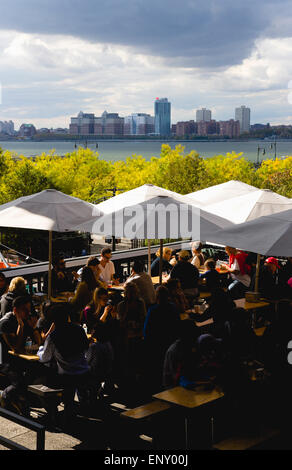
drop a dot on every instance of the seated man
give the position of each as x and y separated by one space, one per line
66 345
15 327
107 267
144 283
268 285
62 281
187 274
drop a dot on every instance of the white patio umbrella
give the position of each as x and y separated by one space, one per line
49 210
150 212
250 206
270 235
221 192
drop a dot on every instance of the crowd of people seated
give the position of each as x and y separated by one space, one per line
103 339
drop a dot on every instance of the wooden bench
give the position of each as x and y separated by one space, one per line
246 442
146 411
49 398
141 425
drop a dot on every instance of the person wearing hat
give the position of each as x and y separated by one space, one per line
268 282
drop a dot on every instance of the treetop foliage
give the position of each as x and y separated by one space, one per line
83 174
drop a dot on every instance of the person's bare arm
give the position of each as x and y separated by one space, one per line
106 313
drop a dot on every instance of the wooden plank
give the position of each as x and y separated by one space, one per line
147 410
245 442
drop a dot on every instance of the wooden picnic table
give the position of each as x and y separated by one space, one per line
189 400
24 355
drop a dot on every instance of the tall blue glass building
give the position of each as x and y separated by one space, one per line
162 109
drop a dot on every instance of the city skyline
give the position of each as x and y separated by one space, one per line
59 57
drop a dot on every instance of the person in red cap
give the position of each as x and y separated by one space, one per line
268 285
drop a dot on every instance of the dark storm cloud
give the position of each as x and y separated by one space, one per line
191 33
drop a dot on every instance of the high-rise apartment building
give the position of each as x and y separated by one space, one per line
139 124
162 109
7 127
242 115
89 124
203 115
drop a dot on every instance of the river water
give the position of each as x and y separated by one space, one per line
119 150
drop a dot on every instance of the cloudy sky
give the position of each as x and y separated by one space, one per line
58 57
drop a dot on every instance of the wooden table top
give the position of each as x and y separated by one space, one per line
189 398
27 357
242 303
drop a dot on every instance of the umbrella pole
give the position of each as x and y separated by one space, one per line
256 287
50 265
149 257
160 260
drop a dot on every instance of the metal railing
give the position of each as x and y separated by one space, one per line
27 423
35 273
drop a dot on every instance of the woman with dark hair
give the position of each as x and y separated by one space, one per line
84 292
160 331
131 313
3 284
96 308
100 358
66 345
176 295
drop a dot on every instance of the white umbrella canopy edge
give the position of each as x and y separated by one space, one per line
116 222
269 235
148 197
250 206
221 192
138 195
49 210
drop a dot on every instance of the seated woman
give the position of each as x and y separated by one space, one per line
131 314
17 288
66 345
100 358
241 341
166 266
181 357
198 257
83 294
210 276
176 295
239 271
96 308
160 330
3 284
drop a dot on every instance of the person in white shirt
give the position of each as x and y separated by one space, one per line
107 267
238 272
198 258
144 283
